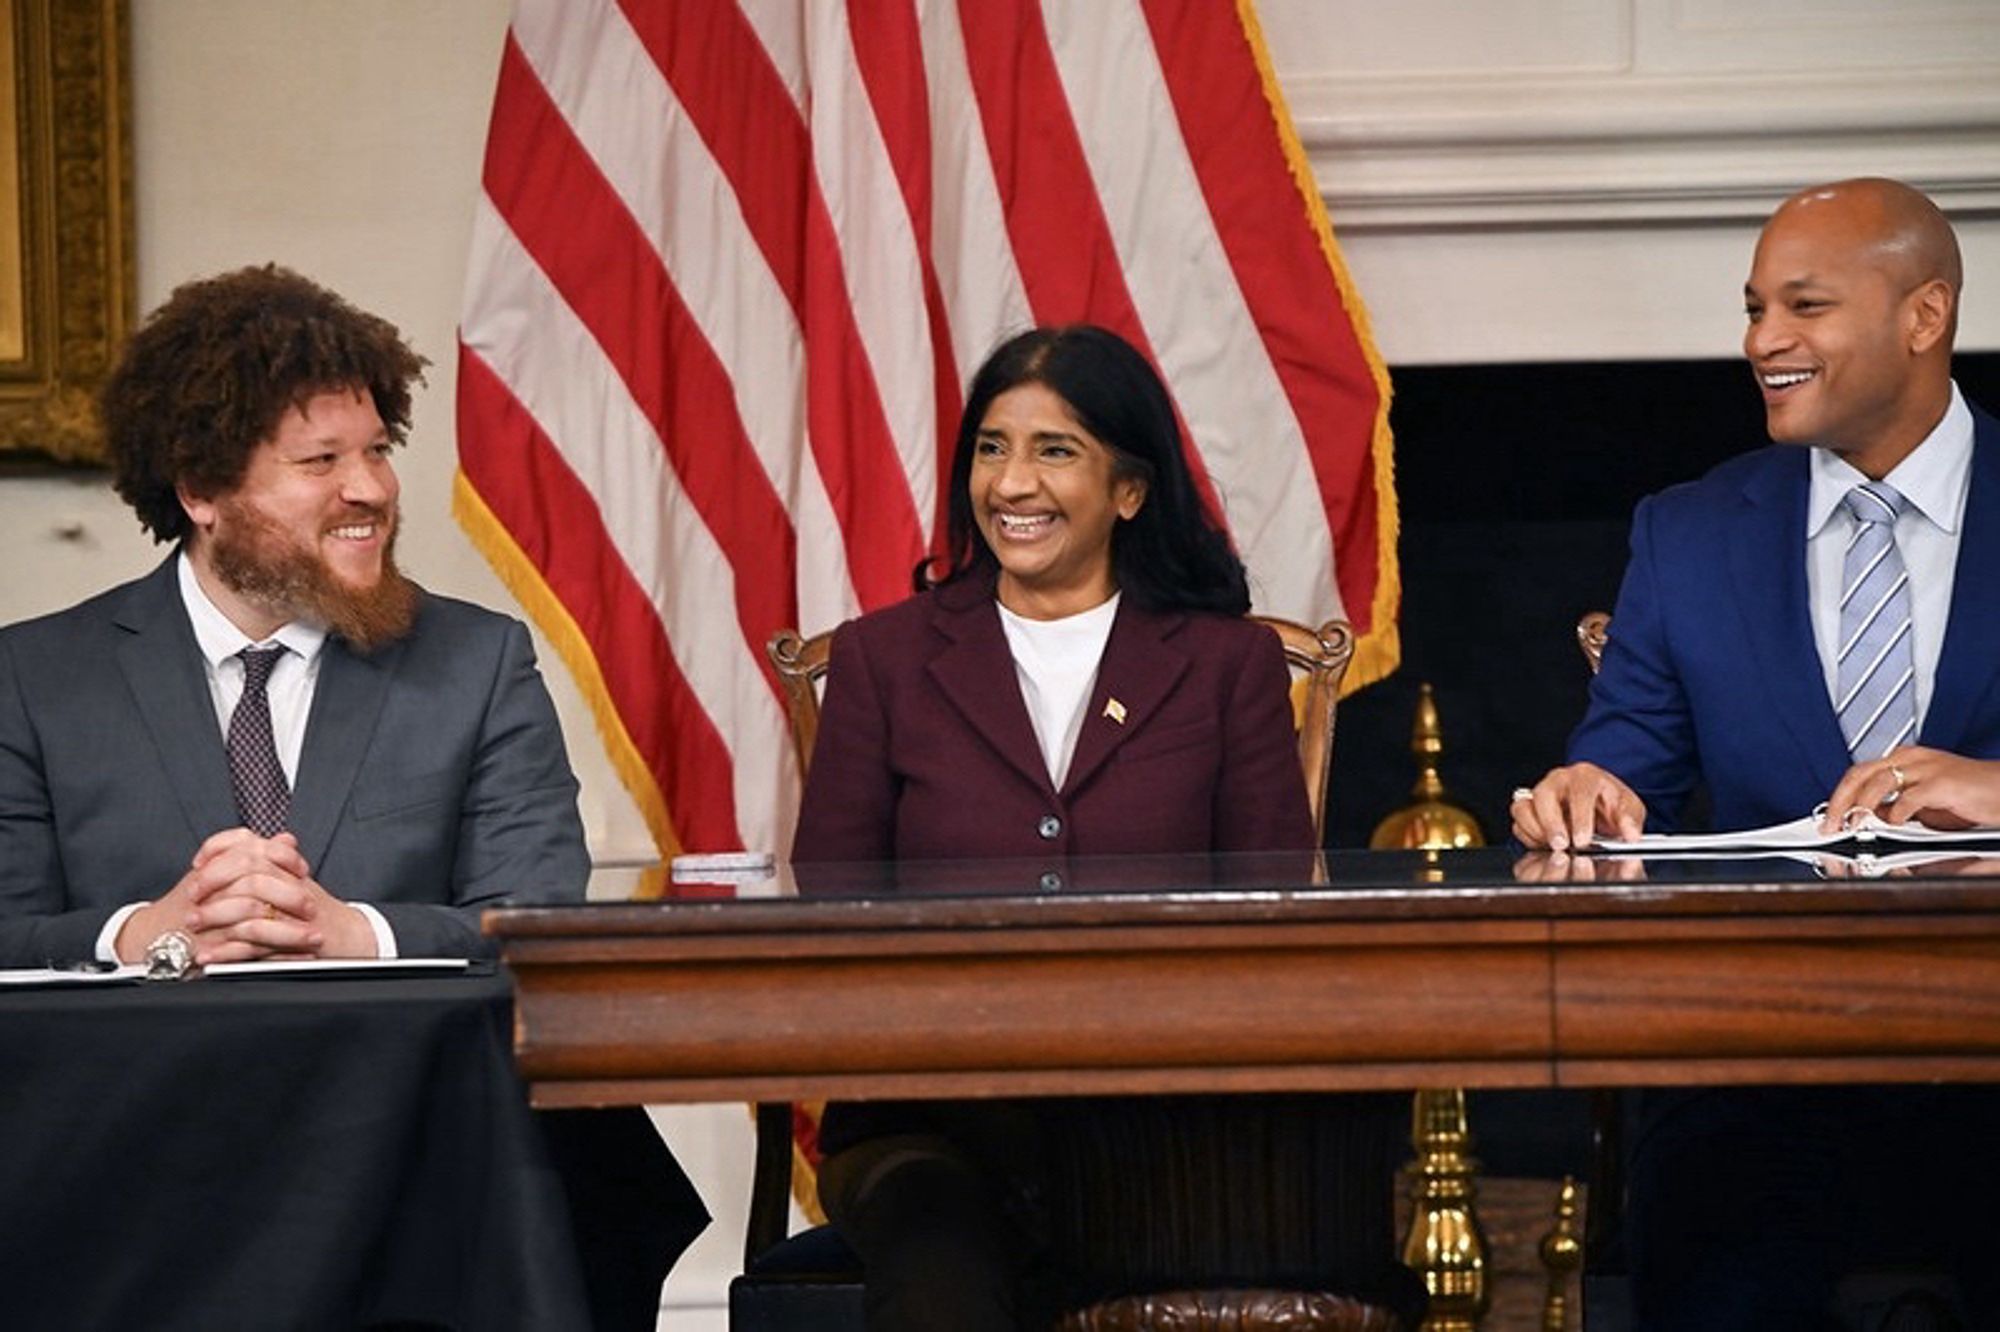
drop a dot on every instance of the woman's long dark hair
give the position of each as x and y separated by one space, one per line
1170 555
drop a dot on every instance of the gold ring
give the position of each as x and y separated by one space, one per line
1897 773
269 912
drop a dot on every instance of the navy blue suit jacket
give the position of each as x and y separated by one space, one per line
1711 674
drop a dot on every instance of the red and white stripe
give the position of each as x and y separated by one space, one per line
735 260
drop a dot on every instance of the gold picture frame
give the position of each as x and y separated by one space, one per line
66 284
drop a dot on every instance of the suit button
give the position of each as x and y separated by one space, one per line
1049 828
1051 882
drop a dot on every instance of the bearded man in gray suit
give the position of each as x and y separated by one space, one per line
274 745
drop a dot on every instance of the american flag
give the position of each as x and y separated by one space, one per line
734 261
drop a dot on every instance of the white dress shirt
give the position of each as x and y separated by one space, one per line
293 679
1056 663
1935 479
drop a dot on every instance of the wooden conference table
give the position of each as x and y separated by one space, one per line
1254 973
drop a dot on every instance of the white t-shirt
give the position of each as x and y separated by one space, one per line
1056 663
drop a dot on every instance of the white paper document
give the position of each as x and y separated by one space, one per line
335 966
723 867
1867 831
34 976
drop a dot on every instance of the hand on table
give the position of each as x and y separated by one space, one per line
1573 804
1562 867
1914 784
249 898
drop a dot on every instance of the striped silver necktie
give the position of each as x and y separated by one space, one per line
1877 686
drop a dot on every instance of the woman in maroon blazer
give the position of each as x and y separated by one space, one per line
1081 682
931 745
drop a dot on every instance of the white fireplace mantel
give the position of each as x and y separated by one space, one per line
1582 179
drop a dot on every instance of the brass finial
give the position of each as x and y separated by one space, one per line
1430 821
1446 1246
1562 1255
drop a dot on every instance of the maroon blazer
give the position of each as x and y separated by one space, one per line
925 750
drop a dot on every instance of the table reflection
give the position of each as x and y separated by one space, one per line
1494 873
1797 865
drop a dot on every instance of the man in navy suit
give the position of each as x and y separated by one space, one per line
1730 611
1804 625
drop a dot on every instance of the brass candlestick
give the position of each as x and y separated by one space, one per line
1430 821
1446 1246
1562 1255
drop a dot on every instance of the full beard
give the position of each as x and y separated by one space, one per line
259 561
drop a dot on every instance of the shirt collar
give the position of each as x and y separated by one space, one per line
1081 624
220 639
1934 478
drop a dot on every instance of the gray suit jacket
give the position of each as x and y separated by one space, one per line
433 781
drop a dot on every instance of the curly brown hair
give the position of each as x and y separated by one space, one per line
209 375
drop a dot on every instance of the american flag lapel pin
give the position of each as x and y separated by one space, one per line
1114 710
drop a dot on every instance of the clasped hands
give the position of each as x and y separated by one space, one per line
1574 804
248 898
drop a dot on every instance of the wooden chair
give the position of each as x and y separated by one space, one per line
1593 631
807 1289
1318 659
801 666
1606 1298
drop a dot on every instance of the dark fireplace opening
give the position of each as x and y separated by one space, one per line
1517 484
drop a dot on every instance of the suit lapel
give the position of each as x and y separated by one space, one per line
162 667
347 700
1139 669
1971 646
975 673
1767 556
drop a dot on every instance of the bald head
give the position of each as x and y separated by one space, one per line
1895 225
1853 306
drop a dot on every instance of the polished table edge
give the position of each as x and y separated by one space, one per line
1296 990
891 911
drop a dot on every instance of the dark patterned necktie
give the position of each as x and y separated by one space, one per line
263 797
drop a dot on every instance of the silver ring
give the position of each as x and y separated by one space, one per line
170 956
1520 793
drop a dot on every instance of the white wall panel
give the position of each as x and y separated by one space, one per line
1472 154
1769 36
1417 38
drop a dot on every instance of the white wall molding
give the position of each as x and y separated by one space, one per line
1403 152
1520 180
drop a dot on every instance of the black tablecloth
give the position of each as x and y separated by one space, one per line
293 1153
